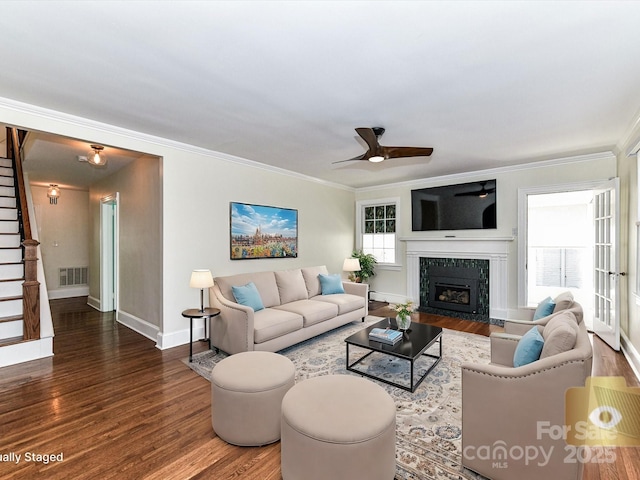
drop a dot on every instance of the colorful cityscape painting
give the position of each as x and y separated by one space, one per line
259 231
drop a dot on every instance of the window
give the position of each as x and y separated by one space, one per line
377 229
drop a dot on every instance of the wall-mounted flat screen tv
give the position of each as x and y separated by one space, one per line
465 206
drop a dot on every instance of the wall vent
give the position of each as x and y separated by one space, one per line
74 276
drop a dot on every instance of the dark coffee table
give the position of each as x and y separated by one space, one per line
413 345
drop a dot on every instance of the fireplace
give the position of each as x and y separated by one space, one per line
453 288
422 252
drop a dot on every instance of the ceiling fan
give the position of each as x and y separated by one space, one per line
482 193
378 153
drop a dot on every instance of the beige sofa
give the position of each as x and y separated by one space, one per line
502 405
295 309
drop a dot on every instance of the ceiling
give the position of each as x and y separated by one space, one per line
486 84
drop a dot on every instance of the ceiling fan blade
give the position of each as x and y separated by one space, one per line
476 193
364 156
397 152
369 136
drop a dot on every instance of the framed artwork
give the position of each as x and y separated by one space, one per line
259 231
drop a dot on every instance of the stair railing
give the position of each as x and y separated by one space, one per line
31 286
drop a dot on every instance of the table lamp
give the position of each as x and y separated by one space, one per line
201 279
351 265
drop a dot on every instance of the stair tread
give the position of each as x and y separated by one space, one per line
9 299
10 263
12 279
12 318
12 341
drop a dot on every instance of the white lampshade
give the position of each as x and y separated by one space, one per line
351 265
201 279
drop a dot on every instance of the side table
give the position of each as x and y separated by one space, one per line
205 314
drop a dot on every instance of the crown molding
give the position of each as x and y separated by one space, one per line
630 141
65 118
421 182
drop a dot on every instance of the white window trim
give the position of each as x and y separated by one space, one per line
360 204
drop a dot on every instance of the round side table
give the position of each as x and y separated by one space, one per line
205 314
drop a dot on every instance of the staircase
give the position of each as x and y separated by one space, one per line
11 260
26 329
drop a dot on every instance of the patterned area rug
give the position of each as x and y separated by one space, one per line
428 421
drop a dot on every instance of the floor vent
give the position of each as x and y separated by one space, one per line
74 276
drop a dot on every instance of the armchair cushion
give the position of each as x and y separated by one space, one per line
564 301
248 295
529 348
560 334
545 307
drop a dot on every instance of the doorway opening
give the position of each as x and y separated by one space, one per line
109 252
560 248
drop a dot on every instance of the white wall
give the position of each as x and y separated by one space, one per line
63 230
590 167
630 296
140 232
197 186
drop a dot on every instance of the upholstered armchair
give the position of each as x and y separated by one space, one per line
507 410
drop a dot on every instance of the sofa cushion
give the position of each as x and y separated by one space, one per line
265 283
291 286
560 334
529 348
545 308
564 301
311 279
346 302
330 284
271 323
248 295
312 311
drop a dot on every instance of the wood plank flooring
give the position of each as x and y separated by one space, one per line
114 406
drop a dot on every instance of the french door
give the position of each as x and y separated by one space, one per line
606 321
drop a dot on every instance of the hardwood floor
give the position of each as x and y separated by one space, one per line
114 406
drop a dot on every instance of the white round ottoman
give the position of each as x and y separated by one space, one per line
246 397
338 427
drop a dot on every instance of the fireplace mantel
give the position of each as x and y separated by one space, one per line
494 249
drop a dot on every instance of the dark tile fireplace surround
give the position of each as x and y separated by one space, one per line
455 287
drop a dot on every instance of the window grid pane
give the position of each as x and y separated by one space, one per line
379 237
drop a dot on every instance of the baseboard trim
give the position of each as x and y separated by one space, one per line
94 302
181 337
631 354
139 325
68 292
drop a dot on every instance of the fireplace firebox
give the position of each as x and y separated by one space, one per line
453 288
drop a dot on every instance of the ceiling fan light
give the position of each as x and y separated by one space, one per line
376 159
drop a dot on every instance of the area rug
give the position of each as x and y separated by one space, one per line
428 422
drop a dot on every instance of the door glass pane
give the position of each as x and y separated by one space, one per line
560 239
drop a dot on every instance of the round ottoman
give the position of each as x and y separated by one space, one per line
246 397
338 427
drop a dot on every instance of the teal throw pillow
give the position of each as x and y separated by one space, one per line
545 308
248 295
330 284
529 348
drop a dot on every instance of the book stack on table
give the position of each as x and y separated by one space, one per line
385 335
